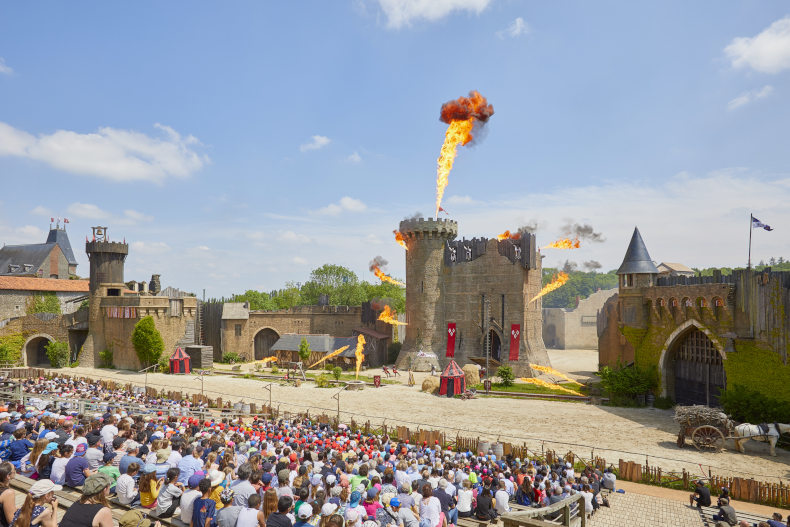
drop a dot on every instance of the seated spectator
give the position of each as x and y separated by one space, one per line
280 517
189 496
135 518
58 472
109 468
251 515
726 515
204 509
126 488
776 520
149 487
40 506
701 495
170 496
92 509
77 469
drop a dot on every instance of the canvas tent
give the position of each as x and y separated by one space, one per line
180 362
452 381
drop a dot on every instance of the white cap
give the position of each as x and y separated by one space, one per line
305 511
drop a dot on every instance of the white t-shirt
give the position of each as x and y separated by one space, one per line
501 498
174 459
464 500
74 441
588 497
431 509
187 501
125 489
108 433
58 475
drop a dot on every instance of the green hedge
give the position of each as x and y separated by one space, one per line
11 347
759 368
751 406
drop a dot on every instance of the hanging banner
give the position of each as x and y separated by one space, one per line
515 334
450 339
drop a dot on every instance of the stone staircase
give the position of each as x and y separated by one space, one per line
189 335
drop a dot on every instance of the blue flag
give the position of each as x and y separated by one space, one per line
757 224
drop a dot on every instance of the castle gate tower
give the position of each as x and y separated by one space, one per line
425 240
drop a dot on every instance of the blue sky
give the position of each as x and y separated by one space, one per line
241 145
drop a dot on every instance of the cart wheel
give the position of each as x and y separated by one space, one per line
708 437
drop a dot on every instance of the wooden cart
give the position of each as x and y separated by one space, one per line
708 428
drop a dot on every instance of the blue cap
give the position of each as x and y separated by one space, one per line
50 448
194 480
148 468
355 497
394 502
266 478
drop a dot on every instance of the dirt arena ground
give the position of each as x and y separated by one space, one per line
613 433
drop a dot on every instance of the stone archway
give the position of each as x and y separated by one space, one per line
691 365
34 352
264 339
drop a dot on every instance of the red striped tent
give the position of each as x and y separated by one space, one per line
179 362
452 381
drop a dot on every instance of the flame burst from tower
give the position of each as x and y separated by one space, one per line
549 385
266 360
400 240
390 316
564 243
360 353
551 371
557 281
375 267
507 235
461 115
329 356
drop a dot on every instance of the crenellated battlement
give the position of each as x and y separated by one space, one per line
429 228
100 246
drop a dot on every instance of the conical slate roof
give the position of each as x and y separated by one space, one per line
60 237
637 260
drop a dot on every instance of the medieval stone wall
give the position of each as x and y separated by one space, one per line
14 303
575 328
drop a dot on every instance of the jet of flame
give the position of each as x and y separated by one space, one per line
390 316
400 240
267 360
557 281
375 267
507 235
329 356
360 353
552 371
461 116
551 386
565 243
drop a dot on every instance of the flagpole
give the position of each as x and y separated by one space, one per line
751 228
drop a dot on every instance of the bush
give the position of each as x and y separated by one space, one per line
628 381
11 348
58 353
147 341
163 365
275 370
46 303
105 358
337 371
231 358
505 374
322 381
750 406
664 403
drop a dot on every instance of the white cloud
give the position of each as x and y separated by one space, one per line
149 247
401 13
346 204
460 200
40 210
5 69
768 52
110 153
87 211
317 142
31 233
716 204
516 28
293 237
90 211
299 260
354 158
749 96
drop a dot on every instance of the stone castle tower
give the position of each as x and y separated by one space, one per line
467 298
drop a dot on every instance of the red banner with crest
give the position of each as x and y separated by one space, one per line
515 338
450 339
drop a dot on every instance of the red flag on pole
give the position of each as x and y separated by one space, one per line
450 339
515 339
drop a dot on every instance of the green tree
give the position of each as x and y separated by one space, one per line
147 341
289 297
339 283
581 284
505 374
304 350
257 300
58 353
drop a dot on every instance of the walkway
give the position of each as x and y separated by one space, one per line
637 510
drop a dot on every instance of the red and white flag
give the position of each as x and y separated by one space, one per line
451 339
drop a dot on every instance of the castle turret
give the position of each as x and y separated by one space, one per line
106 259
425 240
637 269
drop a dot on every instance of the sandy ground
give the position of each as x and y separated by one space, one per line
612 433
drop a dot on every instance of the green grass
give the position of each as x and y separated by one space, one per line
530 388
312 376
